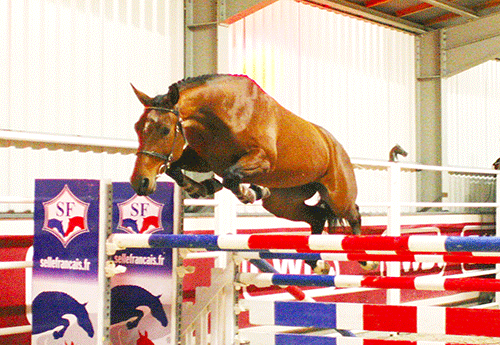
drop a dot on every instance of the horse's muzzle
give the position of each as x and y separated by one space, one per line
143 186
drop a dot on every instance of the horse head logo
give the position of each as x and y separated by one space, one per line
125 303
49 309
143 339
140 215
65 216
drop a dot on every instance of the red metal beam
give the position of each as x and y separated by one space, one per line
440 19
489 4
449 16
413 9
373 3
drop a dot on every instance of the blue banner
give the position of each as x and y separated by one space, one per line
143 298
65 262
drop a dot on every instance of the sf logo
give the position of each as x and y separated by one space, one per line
140 215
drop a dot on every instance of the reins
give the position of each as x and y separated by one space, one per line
178 129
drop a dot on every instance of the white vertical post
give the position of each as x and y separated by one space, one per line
104 315
225 220
394 227
178 210
177 293
497 231
225 212
225 223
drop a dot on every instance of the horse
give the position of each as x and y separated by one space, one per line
126 301
143 339
228 125
50 309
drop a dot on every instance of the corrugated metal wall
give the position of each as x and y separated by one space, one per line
354 78
471 117
471 127
66 66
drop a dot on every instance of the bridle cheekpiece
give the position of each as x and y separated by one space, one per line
178 129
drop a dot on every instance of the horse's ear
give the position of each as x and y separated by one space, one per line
145 99
159 296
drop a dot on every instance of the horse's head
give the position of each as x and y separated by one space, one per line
143 339
161 140
83 320
158 312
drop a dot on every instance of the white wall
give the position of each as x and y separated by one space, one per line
471 117
342 73
66 66
471 127
352 77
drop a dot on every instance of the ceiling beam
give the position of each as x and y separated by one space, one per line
371 15
440 19
373 3
457 9
237 9
413 9
467 45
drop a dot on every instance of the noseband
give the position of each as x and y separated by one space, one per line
178 129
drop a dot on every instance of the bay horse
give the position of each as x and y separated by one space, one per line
228 125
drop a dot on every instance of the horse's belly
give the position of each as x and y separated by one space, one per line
286 178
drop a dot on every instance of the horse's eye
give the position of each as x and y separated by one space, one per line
165 131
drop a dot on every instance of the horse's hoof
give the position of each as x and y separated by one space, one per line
260 192
369 265
266 193
132 324
247 195
322 268
58 334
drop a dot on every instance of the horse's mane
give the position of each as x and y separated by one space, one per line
194 81
191 82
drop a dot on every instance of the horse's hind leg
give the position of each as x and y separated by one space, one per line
60 333
344 207
354 218
289 203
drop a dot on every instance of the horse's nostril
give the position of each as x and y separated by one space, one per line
144 183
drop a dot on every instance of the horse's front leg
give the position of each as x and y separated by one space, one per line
193 188
138 314
60 333
253 163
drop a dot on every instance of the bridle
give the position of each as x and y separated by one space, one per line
178 129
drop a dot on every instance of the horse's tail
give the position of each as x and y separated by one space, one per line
334 222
